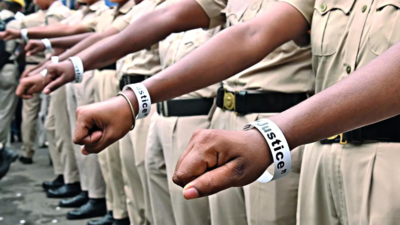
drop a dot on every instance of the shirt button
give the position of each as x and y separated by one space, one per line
324 7
348 69
254 7
364 8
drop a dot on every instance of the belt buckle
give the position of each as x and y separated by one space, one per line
229 101
342 141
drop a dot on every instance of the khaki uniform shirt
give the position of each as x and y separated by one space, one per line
347 34
86 13
106 18
176 46
147 61
287 69
54 14
10 45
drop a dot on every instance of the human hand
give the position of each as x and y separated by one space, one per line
216 160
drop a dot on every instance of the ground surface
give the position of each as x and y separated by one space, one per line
22 199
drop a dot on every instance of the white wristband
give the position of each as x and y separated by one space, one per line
24 35
78 67
47 44
143 98
278 146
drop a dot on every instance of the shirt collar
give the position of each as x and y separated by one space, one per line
95 6
54 5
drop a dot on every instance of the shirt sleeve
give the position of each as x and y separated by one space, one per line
305 7
122 22
214 8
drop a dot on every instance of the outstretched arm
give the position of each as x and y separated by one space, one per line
51 31
35 46
369 95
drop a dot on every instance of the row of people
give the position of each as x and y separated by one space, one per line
266 65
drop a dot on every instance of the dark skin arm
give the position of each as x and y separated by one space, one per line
35 46
369 95
55 30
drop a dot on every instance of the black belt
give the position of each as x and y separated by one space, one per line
384 131
112 66
32 63
243 102
185 107
130 79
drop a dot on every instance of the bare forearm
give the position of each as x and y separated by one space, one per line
227 54
57 30
144 32
69 41
369 95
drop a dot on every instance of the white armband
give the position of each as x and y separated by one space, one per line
24 34
143 98
78 67
47 44
278 146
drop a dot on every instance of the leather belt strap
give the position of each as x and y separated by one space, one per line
112 66
244 102
384 131
130 79
185 107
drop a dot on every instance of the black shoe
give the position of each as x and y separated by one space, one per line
65 191
25 160
125 221
56 183
7 157
75 202
93 208
106 220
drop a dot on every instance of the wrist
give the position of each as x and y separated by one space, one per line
132 97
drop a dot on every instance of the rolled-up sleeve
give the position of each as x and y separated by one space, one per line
305 7
214 8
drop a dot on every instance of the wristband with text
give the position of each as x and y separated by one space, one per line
278 146
24 34
143 98
47 44
78 68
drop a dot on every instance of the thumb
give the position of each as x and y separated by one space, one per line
54 85
33 51
212 181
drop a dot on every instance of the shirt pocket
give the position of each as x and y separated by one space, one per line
329 25
234 11
384 29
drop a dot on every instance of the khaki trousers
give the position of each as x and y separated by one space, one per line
133 156
30 110
350 184
88 166
8 99
59 137
270 203
106 85
168 139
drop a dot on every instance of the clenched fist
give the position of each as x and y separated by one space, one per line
57 75
216 160
34 46
101 124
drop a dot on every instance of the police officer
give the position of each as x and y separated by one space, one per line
170 130
50 12
230 206
336 184
9 81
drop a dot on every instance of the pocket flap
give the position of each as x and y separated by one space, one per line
383 3
324 6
